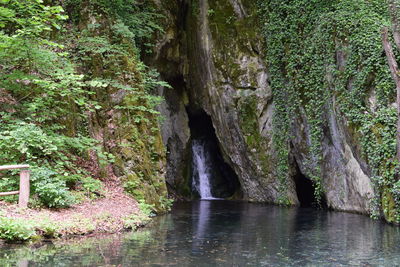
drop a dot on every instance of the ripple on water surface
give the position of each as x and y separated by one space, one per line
223 233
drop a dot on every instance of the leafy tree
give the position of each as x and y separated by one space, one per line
39 92
59 78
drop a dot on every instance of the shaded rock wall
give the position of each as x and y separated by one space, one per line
131 136
216 50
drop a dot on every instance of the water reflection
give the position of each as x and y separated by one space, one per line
221 233
201 225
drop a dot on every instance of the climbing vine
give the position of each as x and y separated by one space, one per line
326 56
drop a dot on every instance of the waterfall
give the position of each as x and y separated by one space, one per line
202 171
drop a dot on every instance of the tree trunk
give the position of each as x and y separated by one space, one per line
393 9
394 70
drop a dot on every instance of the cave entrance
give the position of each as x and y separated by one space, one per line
305 191
211 177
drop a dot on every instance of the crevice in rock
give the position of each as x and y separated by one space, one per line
305 191
224 182
175 95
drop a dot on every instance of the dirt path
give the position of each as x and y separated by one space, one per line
103 215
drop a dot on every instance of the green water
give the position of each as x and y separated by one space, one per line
222 233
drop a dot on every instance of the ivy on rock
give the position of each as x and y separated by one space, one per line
324 56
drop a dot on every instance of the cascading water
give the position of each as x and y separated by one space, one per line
202 171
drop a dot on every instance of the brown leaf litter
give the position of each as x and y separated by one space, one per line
102 215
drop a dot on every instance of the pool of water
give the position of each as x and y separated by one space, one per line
223 233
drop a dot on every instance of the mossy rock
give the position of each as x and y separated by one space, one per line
256 143
389 206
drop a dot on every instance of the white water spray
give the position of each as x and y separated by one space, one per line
202 171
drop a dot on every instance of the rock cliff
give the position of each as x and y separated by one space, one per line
214 53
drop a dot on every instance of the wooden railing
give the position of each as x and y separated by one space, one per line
23 184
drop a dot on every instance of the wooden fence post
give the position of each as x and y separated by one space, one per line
24 189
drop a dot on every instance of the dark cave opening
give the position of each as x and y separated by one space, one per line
223 181
305 191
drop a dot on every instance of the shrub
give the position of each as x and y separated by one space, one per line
147 209
51 189
15 230
91 185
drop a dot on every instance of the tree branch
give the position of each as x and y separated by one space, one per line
394 71
393 9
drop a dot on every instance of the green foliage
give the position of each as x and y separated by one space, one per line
133 186
46 153
210 12
15 230
46 227
140 219
60 86
9 184
139 16
21 141
108 50
297 64
323 55
51 188
136 221
166 203
146 209
92 186
134 20
29 18
42 100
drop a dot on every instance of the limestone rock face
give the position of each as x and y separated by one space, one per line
169 60
212 54
176 137
344 174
